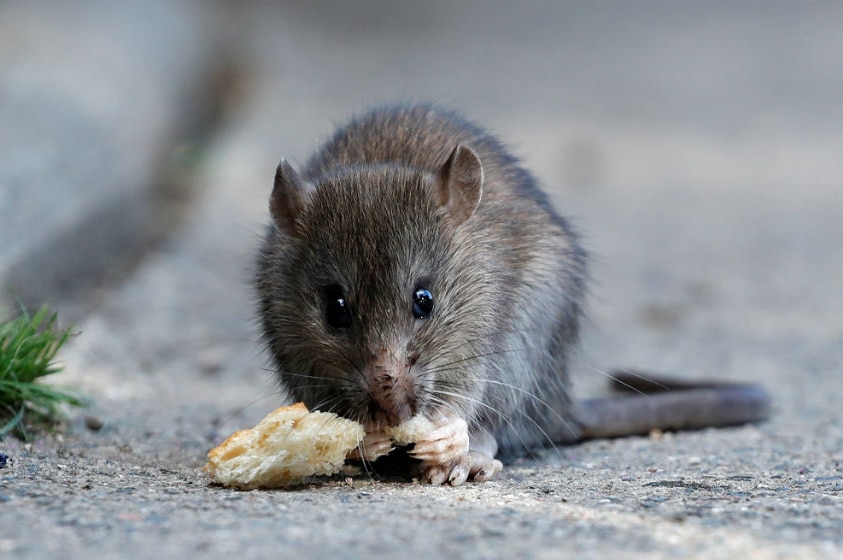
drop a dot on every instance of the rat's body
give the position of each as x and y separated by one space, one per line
415 268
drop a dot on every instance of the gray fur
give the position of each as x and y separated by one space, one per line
508 279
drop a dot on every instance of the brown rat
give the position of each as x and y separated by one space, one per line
414 268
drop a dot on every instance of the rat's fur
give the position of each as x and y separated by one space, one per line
388 205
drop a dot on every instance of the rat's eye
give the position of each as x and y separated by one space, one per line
422 303
337 310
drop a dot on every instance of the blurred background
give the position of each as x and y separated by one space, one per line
697 146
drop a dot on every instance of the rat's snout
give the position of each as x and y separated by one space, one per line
391 388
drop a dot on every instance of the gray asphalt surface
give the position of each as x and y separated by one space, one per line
697 148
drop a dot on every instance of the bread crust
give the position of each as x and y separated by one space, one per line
287 447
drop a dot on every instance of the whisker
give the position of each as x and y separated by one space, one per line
510 422
631 388
532 396
441 367
639 375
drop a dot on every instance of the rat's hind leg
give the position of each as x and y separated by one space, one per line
483 448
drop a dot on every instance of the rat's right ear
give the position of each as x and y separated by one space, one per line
288 197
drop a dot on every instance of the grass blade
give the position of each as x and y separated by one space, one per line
28 347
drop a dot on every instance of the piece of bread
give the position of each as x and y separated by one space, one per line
285 448
411 431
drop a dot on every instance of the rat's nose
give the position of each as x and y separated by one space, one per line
391 389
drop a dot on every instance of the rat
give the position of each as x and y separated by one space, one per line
413 268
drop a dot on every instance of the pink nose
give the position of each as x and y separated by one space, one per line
391 390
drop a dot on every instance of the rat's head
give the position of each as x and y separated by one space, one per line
370 302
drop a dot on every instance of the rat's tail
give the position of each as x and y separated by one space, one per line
668 404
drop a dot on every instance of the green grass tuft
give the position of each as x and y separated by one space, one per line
28 347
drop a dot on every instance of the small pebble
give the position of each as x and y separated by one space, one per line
93 423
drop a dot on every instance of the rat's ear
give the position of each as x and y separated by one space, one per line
288 197
460 184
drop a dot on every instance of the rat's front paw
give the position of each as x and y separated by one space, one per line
441 443
444 452
446 443
375 444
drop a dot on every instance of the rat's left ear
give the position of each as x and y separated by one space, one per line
460 184
288 197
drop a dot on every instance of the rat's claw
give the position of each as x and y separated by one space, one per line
435 474
460 472
483 467
474 465
446 443
454 473
374 445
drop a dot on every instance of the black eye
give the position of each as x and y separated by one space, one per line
422 303
337 310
